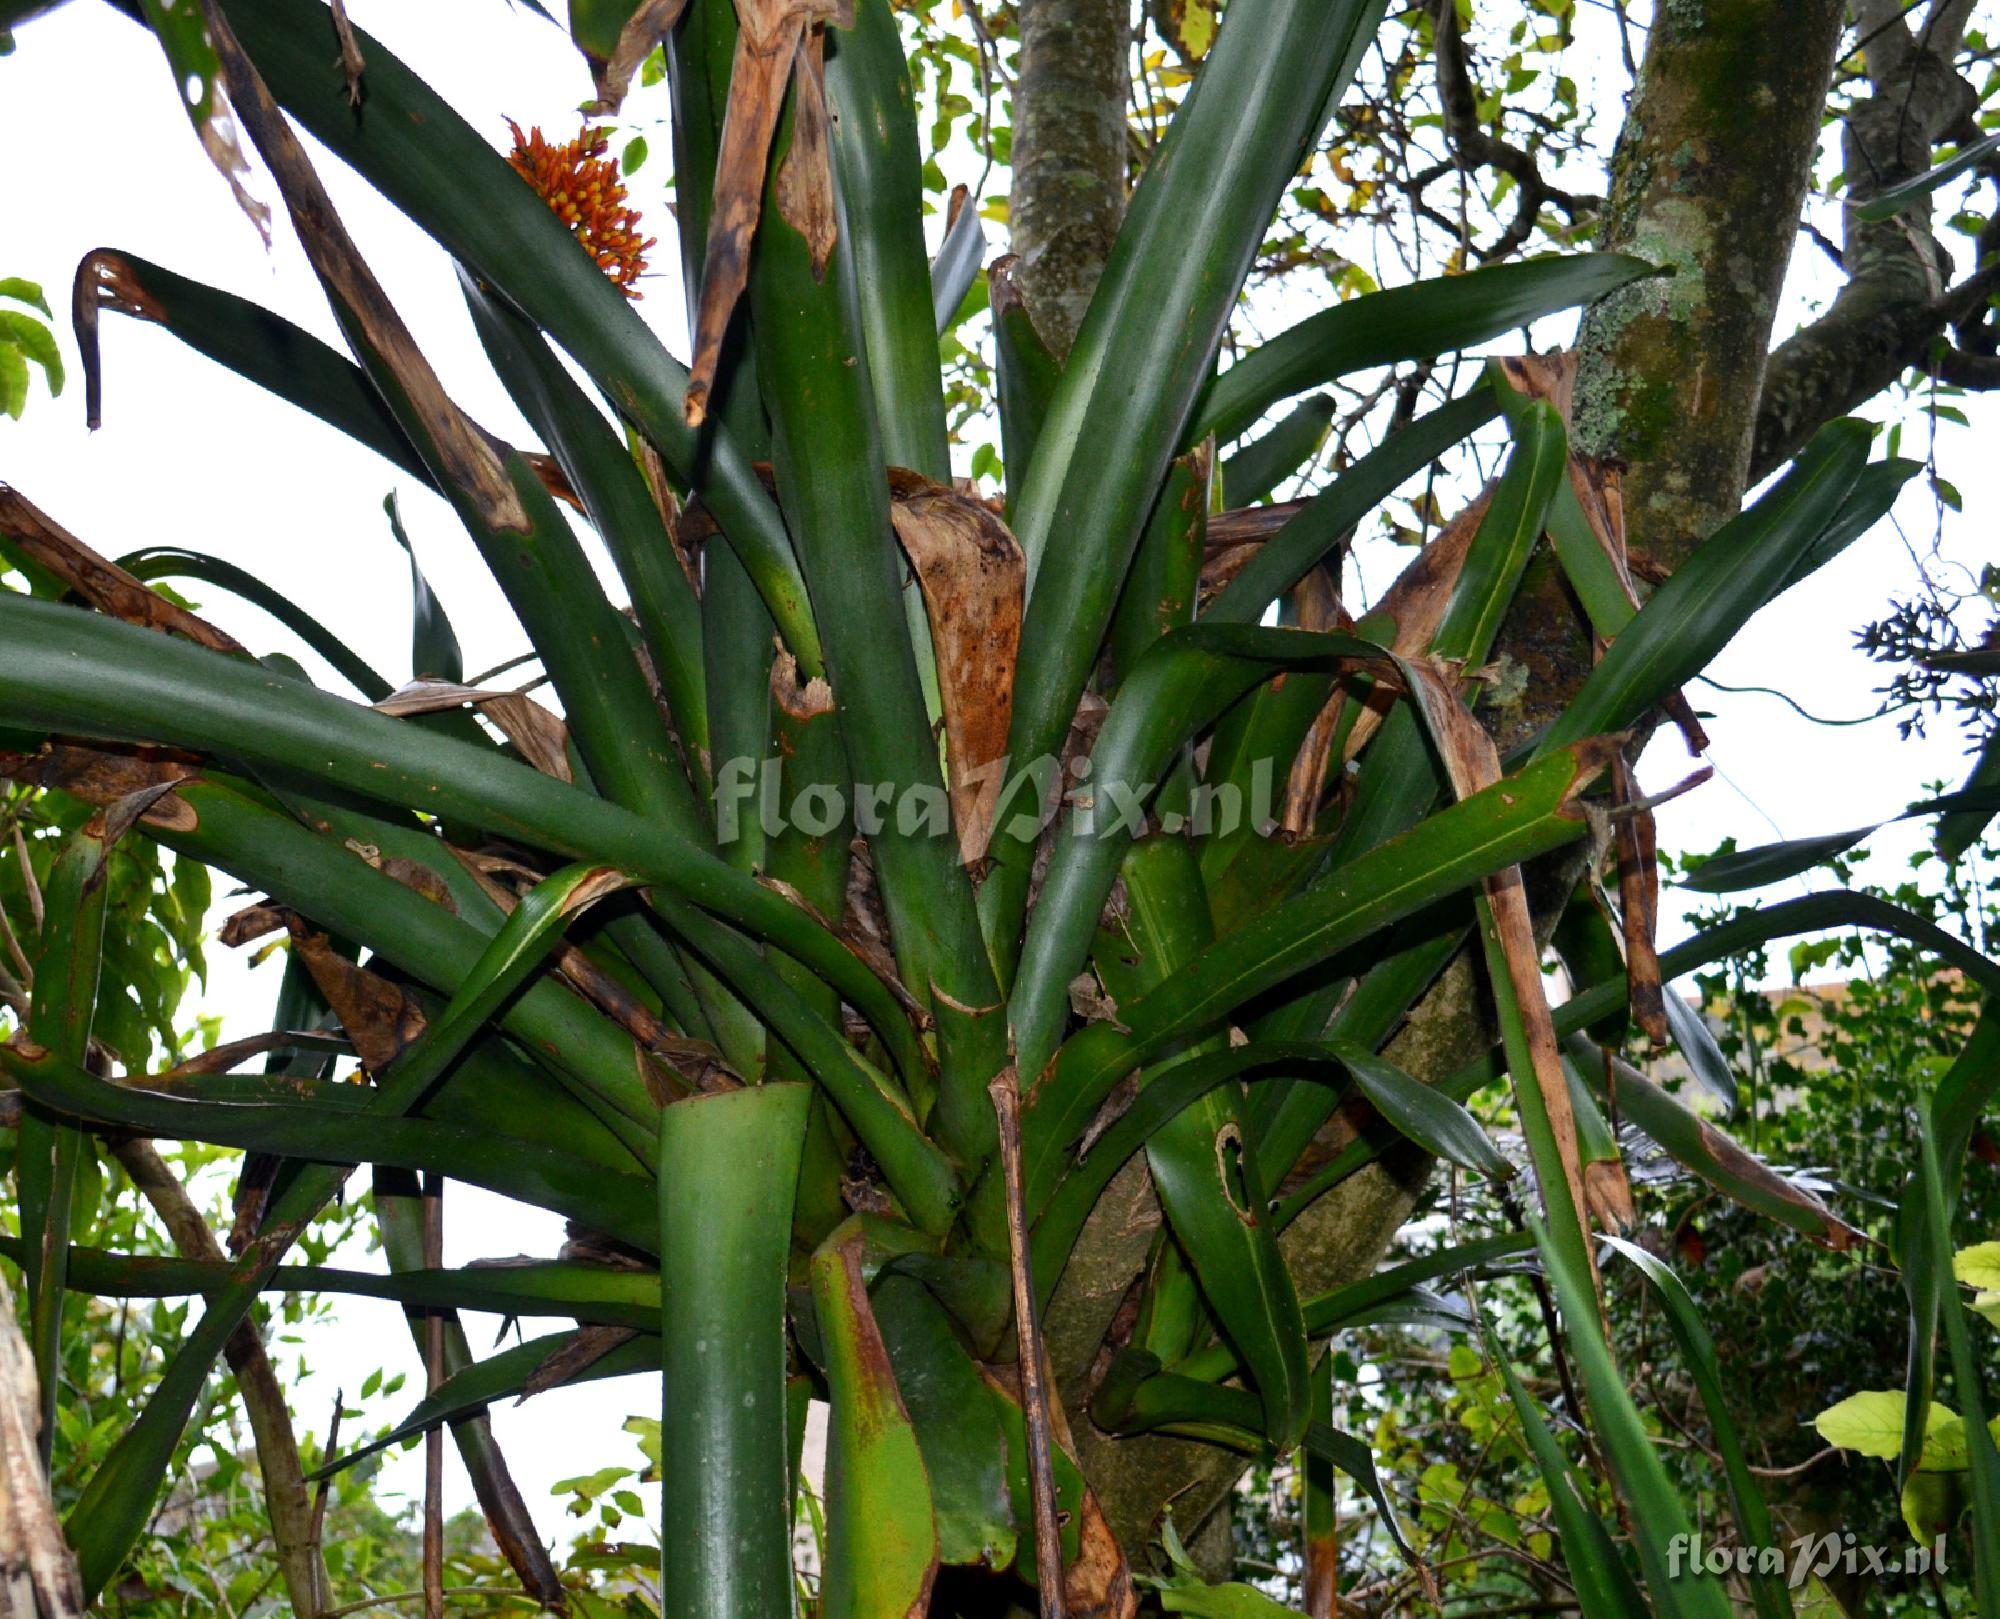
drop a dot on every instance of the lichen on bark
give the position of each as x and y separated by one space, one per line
1708 179
1069 153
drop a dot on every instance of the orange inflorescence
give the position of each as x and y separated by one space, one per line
583 186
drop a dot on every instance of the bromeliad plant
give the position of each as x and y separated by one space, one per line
832 1092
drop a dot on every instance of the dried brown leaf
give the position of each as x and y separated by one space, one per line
1472 763
651 21
380 1018
1317 602
102 583
973 576
104 777
541 738
589 1345
464 456
804 191
767 41
1634 838
252 923
1608 1195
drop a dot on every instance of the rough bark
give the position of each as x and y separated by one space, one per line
1708 179
1068 156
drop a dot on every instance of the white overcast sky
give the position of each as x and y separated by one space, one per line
188 455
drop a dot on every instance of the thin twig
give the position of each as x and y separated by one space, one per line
1798 1467
13 943
331 1448
33 888
433 1380
1006 1093
488 1593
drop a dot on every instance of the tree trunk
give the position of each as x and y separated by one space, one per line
1708 179
1068 156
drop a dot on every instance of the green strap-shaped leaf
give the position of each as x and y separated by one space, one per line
1427 1116
956 268
1658 1518
1968 1378
1254 472
728 1163
1704 1056
877 160
594 1294
113 679
877 155
1369 1300
621 509
1604 1589
423 156
827 451
505 1376
1888 203
1717 590
1331 514
619 1203
434 649
1146 347
1025 374
1416 322
1167 1403
1202 1166
246 338
1176 689
1689 1139
1521 816
881 1533
1769 863
113 1508
172 562
1691 1336
1960 1099
1507 537
1161 590
61 1009
957 1425
1811 913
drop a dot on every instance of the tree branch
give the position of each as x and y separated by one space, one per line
285 1496
1894 309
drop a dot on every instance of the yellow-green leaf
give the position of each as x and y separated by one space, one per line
1978 1266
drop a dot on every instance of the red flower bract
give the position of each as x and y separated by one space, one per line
582 185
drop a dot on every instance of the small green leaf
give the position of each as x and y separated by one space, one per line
633 155
13 380
37 342
25 292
